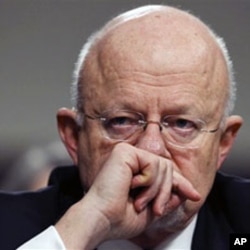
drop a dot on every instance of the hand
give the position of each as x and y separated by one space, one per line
133 189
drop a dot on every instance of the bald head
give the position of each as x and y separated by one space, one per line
158 40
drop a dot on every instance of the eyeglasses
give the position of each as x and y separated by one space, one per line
183 131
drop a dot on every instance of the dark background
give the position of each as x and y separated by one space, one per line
39 44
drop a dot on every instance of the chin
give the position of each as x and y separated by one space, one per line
173 222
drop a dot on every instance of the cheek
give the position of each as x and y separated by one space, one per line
93 152
198 166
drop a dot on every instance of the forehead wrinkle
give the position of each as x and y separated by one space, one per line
125 81
116 63
154 98
163 80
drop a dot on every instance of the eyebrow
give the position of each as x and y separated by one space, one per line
182 110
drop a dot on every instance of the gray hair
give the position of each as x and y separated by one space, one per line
231 99
77 99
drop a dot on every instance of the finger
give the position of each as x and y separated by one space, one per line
184 188
164 192
147 170
144 178
146 185
174 202
174 190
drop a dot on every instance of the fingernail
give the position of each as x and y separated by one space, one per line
143 206
197 196
160 211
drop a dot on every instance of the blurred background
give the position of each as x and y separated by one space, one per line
39 44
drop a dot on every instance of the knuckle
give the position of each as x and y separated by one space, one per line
121 147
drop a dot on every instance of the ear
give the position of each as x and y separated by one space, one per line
232 126
68 131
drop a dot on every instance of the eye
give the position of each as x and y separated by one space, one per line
181 126
121 124
181 123
120 121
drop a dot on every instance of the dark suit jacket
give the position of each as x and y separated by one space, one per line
23 215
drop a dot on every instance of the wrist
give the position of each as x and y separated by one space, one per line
83 226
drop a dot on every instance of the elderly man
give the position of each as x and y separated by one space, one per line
150 128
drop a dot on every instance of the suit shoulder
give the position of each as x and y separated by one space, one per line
231 195
25 214
232 186
18 206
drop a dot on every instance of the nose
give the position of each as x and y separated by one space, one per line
151 139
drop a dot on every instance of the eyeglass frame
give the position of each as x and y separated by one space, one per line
143 123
